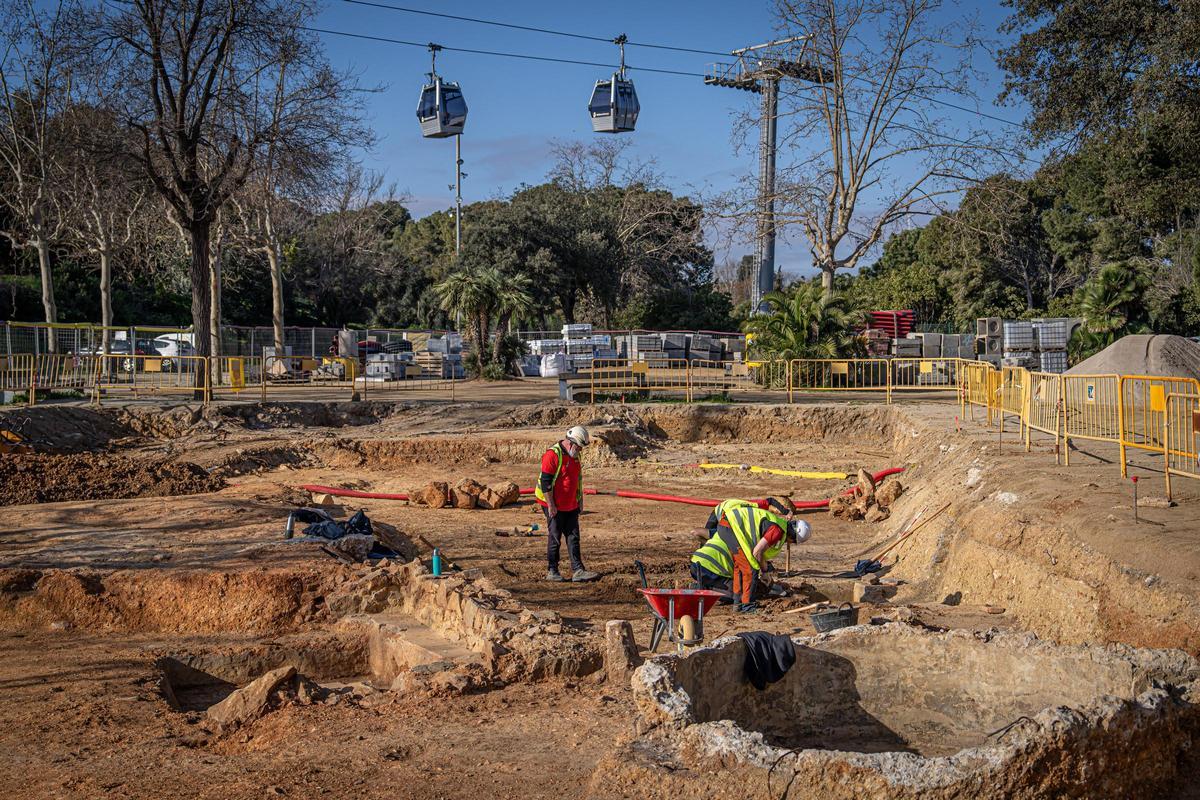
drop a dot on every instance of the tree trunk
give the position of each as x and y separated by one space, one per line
505 319
106 319
48 305
198 233
214 310
827 271
275 260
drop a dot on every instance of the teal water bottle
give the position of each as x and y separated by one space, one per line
437 563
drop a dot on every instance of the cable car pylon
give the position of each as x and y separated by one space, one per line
759 70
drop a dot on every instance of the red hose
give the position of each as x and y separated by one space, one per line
661 498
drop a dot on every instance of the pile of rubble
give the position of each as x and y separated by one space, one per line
867 501
467 493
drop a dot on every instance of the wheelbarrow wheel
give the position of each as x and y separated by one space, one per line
687 630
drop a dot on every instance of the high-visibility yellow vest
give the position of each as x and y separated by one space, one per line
537 484
744 520
715 556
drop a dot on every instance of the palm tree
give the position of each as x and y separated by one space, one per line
471 292
1111 304
513 299
804 323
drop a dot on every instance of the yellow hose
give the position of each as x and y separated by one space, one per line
815 476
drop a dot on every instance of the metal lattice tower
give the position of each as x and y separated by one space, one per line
759 69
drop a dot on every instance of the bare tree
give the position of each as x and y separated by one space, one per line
196 85
292 169
35 85
106 197
863 147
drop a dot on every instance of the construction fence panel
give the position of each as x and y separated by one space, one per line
767 372
378 388
838 375
713 377
924 374
1011 394
236 377
613 376
141 375
1181 437
975 384
323 374
16 371
1091 409
1143 406
667 376
1043 405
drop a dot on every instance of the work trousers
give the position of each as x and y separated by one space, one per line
564 523
707 579
744 577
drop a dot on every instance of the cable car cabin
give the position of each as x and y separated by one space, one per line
614 105
442 110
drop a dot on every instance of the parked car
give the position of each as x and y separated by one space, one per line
174 351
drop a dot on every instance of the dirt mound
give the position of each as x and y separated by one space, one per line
97 476
1160 354
66 429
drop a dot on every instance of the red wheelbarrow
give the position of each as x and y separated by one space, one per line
677 612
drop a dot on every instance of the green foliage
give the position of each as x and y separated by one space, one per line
804 323
1112 305
1096 66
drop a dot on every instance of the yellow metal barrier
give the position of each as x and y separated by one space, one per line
924 374
1181 437
838 375
1091 409
18 372
321 373
1043 406
150 375
707 377
410 377
1143 407
974 386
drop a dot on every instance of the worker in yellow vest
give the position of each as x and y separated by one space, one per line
744 538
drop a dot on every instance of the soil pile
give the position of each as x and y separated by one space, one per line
97 476
1160 354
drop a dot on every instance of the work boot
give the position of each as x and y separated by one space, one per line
582 576
747 608
554 575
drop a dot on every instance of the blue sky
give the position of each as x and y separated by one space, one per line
516 107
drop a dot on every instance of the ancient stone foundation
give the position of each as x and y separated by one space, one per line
901 712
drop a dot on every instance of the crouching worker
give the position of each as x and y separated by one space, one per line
744 538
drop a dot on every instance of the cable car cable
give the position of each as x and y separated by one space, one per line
425 46
588 37
532 29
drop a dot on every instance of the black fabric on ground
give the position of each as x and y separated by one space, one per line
327 528
768 657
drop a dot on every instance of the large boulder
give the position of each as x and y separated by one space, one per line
466 493
864 488
434 495
888 492
283 686
499 495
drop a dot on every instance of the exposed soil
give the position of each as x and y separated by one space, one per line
95 593
38 478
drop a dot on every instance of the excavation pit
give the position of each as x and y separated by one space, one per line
904 712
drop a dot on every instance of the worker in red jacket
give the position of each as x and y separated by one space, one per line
559 490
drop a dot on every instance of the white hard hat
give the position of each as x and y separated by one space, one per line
800 530
579 436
